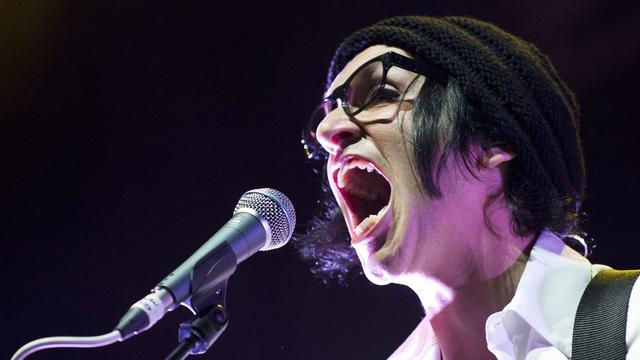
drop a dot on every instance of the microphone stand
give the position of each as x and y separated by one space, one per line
197 335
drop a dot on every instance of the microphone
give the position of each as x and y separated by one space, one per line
263 219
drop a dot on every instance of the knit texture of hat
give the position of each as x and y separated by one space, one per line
507 80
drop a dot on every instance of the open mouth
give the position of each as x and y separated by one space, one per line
366 193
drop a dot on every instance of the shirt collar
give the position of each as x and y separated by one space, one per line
543 308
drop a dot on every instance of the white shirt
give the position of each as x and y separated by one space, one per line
538 322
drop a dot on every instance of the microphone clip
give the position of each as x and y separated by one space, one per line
198 334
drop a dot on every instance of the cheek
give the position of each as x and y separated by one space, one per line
395 142
405 151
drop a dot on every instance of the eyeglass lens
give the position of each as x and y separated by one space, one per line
364 86
360 92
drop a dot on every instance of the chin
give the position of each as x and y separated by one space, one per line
377 275
383 266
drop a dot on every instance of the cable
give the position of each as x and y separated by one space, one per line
66 342
183 349
140 317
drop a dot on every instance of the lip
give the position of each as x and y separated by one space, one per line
385 218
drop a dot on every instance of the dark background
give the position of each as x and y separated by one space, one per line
129 130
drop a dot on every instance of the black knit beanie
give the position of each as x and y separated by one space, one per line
507 80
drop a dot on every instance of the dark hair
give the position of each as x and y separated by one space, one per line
444 123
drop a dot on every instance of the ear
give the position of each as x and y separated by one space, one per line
495 156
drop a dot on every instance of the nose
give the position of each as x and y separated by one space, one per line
337 130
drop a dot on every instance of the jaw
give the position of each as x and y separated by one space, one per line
397 247
386 249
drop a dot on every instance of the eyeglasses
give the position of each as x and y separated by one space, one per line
366 94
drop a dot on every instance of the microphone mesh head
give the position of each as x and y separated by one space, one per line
274 208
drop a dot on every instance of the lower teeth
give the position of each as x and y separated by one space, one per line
369 222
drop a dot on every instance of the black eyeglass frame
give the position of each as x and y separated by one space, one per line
389 60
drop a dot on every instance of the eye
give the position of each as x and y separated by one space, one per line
389 93
386 95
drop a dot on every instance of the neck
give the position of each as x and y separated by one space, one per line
457 313
460 325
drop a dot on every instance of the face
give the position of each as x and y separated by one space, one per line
396 229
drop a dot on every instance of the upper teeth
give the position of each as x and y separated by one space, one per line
355 163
